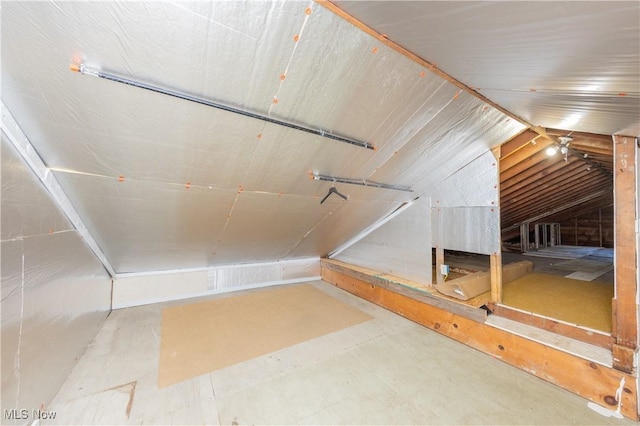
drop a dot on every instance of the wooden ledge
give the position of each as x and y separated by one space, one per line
588 379
425 293
594 337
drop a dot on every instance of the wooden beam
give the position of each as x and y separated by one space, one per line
543 174
602 340
604 139
439 263
558 209
527 163
426 294
496 277
383 39
541 170
626 286
551 202
564 182
525 154
517 142
578 375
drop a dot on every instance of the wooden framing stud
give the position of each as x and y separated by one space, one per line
625 309
496 278
623 358
439 262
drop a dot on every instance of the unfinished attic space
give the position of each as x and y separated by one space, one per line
287 212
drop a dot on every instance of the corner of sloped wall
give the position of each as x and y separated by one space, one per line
55 293
400 247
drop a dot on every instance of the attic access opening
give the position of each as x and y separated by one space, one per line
556 200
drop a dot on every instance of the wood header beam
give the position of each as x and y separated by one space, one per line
625 220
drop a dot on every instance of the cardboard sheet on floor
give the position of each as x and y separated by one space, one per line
202 337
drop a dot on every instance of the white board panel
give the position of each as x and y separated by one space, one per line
401 247
470 229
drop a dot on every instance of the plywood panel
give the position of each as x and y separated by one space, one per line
206 336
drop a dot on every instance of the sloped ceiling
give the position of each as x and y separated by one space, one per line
567 68
163 183
571 65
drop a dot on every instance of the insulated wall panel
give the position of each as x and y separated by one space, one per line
55 292
475 184
471 229
141 289
400 247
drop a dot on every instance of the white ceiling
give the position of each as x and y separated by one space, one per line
562 64
162 183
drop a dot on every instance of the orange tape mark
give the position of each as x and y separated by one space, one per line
485 108
51 230
282 77
279 194
374 50
296 38
622 94
74 67
457 95
275 100
308 11
240 188
187 185
422 74
259 136
533 90
121 178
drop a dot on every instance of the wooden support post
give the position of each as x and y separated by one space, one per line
524 237
496 277
600 226
439 262
625 309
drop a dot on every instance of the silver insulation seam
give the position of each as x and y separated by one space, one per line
82 69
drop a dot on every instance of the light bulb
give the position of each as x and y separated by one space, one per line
551 151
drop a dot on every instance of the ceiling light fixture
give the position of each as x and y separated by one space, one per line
551 151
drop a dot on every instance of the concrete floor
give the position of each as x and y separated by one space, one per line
384 371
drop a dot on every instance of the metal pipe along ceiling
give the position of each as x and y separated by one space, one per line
82 69
362 182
